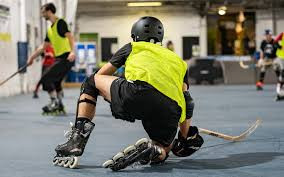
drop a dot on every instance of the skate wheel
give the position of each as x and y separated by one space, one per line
55 161
141 141
129 149
118 156
66 163
74 162
107 163
60 162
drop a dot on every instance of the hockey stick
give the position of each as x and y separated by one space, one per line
10 77
232 138
251 66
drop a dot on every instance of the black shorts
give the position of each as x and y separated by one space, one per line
52 77
138 100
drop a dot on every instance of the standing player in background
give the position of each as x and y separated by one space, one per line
62 41
48 60
279 65
267 56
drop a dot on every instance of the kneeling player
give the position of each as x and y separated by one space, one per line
154 91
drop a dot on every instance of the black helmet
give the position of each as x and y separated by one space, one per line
147 28
267 32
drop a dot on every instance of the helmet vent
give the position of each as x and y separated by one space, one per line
146 26
159 27
159 32
147 31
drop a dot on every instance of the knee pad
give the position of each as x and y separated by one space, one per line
189 104
183 147
89 87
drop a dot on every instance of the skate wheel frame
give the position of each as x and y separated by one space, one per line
113 163
67 162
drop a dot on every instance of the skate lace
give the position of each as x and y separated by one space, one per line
68 134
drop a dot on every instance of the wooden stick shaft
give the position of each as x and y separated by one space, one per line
216 134
10 77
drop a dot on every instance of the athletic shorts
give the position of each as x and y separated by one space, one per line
53 76
139 100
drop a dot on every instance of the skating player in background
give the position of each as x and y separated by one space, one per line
62 41
48 61
267 56
154 90
279 65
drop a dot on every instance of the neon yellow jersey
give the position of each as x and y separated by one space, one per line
280 52
60 44
159 67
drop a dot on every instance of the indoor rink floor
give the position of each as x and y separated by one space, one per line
28 139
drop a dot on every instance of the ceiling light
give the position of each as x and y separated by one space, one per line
143 4
222 10
242 17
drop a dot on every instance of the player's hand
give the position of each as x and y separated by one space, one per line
71 56
30 61
260 62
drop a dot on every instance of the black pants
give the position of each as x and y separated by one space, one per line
159 114
52 78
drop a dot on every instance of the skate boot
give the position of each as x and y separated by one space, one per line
35 95
259 85
60 109
51 108
279 98
67 154
280 92
140 152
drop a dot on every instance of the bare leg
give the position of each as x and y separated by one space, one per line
103 83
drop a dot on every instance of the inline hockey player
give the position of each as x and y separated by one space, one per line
267 55
279 64
154 90
62 41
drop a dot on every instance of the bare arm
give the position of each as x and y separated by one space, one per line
70 38
37 53
184 126
261 55
107 69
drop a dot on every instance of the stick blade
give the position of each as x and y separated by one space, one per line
249 131
240 137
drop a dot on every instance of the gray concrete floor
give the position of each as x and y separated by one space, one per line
28 139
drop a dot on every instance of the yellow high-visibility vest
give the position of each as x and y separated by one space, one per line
159 67
60 44
280 52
